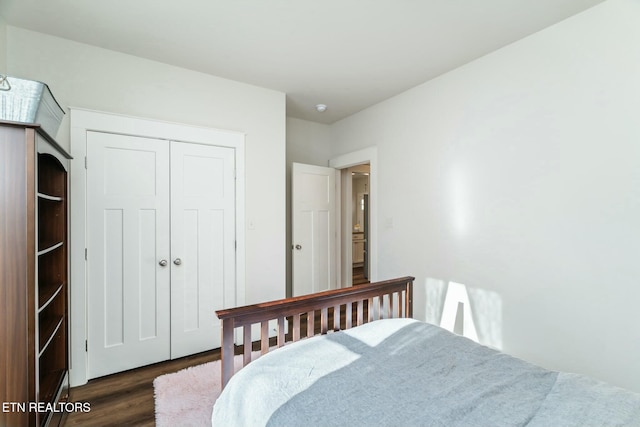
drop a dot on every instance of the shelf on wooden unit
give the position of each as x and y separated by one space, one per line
50 198
49 247
50 383
48 329
47 292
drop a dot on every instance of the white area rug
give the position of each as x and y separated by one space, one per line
186 398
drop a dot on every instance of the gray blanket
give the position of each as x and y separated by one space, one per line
400 372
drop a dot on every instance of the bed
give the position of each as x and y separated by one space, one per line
356 357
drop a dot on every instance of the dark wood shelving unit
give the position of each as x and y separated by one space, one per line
34 268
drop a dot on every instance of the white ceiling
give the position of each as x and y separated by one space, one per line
348 54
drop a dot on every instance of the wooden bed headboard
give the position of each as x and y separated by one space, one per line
386 299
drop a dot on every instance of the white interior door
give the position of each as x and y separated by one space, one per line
202 244
127 241
161 249
313 228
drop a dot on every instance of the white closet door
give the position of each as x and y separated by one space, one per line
127 239
202 244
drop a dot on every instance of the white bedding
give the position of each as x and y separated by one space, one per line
404 372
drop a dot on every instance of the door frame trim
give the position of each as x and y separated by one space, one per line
83 120
366 155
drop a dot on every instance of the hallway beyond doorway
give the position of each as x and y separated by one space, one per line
358 276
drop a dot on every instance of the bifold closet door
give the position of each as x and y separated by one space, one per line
128 252
202 244
161 248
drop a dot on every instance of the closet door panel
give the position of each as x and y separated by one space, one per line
127 237
202 244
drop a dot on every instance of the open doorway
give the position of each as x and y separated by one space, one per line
361 161
359 222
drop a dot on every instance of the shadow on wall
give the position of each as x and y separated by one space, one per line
472 312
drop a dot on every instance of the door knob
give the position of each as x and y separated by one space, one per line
177 261
163 263
298 247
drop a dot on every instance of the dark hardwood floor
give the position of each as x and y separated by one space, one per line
358 276
126 398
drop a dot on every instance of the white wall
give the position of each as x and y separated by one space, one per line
3 46
310 143
84 76
525 186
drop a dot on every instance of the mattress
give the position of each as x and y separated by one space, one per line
405 372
